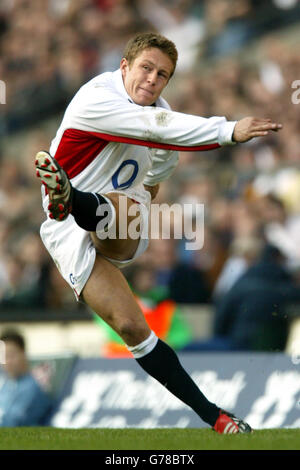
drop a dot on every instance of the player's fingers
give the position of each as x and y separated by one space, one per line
275 126
258 133
262 119
265 127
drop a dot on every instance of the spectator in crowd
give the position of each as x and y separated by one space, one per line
244 252
27 271
253 315
22 401
281 228
230 25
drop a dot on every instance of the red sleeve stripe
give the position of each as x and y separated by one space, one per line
158 145
78 148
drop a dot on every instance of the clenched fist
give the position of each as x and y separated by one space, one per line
250 127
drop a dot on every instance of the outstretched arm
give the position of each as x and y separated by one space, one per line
109 116
243 130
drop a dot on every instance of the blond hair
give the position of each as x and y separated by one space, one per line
142 41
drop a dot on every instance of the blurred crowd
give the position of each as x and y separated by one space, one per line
237 58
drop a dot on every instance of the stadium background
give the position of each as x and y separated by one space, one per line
236 58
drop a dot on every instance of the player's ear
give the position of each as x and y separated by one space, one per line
123 66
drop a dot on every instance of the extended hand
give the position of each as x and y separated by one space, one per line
250 127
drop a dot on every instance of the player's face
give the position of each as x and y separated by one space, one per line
147 76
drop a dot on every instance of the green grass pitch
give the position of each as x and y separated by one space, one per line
145 439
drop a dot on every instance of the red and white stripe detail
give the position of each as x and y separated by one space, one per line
78 148
231 428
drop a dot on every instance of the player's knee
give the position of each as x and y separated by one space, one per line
133 333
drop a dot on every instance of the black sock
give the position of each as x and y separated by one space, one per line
162 363
84 207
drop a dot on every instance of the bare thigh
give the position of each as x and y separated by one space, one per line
109 296
119 249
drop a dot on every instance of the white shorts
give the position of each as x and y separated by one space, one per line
72 249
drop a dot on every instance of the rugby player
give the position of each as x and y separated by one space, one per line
119 138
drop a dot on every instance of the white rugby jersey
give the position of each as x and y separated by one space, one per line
107 142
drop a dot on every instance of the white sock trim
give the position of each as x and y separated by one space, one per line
145 347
